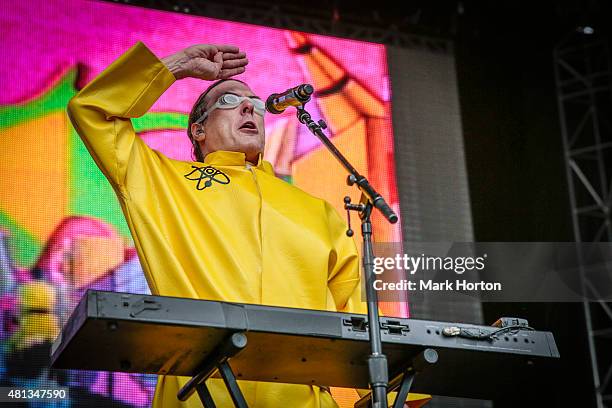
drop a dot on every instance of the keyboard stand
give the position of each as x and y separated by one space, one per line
217 360
404 380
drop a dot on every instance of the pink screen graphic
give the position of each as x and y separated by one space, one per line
56 205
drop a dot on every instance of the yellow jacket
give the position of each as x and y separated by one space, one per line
246 236
219 230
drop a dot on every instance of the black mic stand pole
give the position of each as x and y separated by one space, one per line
377 361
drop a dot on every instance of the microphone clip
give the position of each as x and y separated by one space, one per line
348 206
305 118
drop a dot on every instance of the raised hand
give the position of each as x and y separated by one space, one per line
207 61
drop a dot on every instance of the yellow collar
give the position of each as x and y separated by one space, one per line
227 158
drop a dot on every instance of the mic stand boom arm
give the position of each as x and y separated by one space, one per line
377 361
354 177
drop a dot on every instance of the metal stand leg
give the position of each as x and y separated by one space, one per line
217 360
232 385
205 396
404 380
402 394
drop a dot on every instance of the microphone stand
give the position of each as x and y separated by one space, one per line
377 361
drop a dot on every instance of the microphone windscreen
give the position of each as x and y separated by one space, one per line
270 104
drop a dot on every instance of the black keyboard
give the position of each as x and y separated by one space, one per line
165 335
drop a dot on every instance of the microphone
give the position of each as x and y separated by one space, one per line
297 96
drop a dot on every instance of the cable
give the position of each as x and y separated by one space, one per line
482 334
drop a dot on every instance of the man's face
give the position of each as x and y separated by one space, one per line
238 129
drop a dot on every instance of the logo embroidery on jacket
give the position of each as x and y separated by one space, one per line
206 175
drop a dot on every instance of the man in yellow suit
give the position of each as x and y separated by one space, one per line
222 227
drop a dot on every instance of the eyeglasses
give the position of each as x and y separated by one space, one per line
230 101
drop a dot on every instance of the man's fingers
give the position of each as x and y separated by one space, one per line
218 58
226 73
227 61
234 55
228 64
226 48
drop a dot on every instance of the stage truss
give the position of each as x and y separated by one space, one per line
295 18
583 75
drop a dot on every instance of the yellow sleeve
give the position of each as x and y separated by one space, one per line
343 269
101 111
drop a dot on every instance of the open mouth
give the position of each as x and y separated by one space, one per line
248 125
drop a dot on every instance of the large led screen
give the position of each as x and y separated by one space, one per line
61 227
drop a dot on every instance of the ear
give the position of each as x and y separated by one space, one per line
197 131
